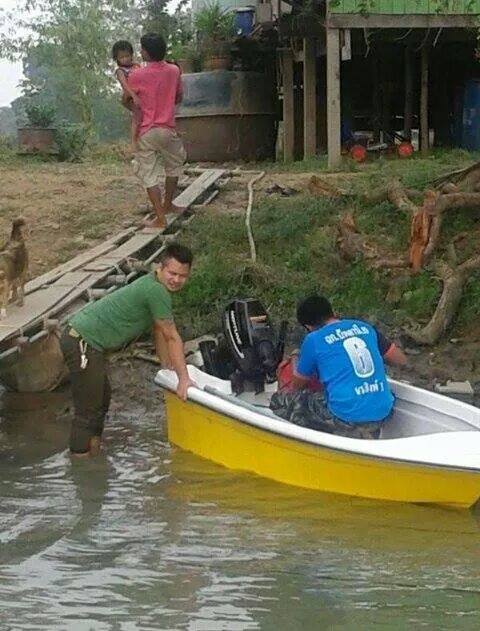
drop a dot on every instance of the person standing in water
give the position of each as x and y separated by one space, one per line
110 324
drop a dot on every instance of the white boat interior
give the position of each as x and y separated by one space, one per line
426 426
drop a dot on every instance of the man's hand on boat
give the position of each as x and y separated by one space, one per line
183 386
169 348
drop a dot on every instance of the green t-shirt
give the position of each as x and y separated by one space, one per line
124 315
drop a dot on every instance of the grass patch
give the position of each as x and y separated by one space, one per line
387 225
111 153
470 303
421 295
297 255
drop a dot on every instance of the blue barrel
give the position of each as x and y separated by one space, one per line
471 116
244 20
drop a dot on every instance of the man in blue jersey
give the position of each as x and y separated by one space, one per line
347 356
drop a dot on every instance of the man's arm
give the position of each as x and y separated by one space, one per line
395 356
304 364
390 352
161 348
176 356
299 381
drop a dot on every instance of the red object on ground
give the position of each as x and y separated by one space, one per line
405 149
358 153
285 375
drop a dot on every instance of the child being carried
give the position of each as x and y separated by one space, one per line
122 53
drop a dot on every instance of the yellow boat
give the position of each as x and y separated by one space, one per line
428 453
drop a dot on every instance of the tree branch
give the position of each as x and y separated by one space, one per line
453 280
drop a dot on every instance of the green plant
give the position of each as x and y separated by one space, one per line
179 50
40 114
7 150
71 139
214 26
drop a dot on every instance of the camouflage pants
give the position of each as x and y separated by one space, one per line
309 409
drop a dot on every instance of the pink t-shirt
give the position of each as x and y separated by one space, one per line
159 87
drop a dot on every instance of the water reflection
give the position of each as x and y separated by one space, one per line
150 537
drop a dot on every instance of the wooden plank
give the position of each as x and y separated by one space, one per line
56 290
424 125
136 243
288 106
333 98
198 187
39 303
309 98
413 7
78 261
359 21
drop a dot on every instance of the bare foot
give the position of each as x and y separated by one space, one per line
155 223
82 456
173 208
95 445
95 449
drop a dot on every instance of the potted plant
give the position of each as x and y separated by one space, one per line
39 135
214 27
184 56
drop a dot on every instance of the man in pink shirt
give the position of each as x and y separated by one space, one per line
158 86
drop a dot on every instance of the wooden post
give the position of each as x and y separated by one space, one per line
333 98
376 98
309 98
408 105
424 126
288 112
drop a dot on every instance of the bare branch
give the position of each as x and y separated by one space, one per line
453 280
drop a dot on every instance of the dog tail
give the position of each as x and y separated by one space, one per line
17 224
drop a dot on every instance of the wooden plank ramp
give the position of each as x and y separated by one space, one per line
78 261
57 290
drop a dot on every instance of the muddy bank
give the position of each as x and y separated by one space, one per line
40 423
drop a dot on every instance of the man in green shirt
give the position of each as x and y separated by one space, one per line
113 322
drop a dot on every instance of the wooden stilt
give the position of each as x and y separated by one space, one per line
424 126
288 110
408 106
333 98
376 98
309 98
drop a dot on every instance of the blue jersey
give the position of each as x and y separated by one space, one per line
345 355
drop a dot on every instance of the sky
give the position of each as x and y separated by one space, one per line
11 73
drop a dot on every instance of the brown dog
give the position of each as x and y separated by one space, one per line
13 267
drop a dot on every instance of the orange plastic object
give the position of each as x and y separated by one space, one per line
358 153
285 376
405 149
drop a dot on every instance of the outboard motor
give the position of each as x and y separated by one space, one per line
250 350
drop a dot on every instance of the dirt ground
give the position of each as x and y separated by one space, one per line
72 207
68 207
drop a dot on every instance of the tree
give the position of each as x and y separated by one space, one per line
65 46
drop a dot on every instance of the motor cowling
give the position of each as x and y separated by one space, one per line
254 345
249 350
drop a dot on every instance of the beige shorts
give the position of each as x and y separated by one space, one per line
160 152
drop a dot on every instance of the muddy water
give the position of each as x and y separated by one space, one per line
148 537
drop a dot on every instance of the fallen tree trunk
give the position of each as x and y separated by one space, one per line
397 195
453 279
451 201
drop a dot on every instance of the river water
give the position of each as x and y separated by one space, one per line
148 537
